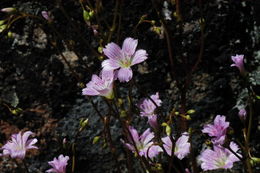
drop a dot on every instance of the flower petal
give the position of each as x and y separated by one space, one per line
26 135
129 46
139 56
113 51
125 74
89 92
110 64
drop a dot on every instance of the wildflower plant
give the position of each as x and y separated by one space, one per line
169 136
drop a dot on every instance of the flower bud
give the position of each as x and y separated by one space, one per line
239 63
46 15
242 114
8 10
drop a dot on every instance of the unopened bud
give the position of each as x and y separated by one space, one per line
100 49
101 58
8 10
95 139
191 111
242 114
123 114
2 22
16 111
91 13
86 16
84 123
10 34
2 27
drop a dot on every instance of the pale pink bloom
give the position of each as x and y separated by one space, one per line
102 85
242 113
217 130
147 107
18 145
219 157
124 58
182 146
143 143
239 63
58 165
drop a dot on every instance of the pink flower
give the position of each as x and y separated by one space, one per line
152 120
242 114
219 157
239 63
124 58
147 108
102 85
58 165
217 130
143 143
46 15
182 146
18 145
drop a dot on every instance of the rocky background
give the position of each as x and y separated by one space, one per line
43 67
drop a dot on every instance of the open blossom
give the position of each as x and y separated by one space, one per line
219 157
18 145
239 63
147 108
124 58
102 85
143 143
182 146
58 165
217 130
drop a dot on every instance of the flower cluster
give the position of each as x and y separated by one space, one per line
117 66
220 157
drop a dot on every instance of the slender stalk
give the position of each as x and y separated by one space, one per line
77 30
73 158
113 27
25 166
110 142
